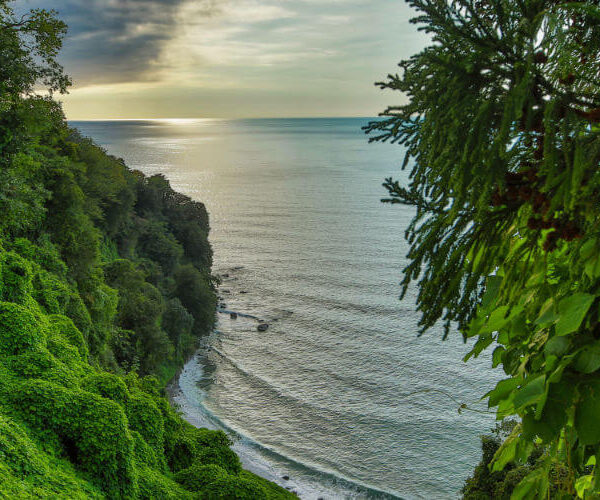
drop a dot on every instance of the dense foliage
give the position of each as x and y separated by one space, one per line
105 288
501 133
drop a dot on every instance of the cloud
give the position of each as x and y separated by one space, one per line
190 57
117 40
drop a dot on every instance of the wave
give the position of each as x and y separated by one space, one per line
317 411
342 485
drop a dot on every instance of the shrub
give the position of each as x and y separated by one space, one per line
203 447
145 418
16 278
43 253
18 452
153 485
64 351
19 329
180 448
108 386
42 364
223 456
66 328
76 310
233 488
93 431
198 476
144 454
50 292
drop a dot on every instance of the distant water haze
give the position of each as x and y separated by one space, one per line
336 394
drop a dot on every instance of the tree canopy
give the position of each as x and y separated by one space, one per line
97 267
502 140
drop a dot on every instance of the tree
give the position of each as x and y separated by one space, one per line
28 49
501 134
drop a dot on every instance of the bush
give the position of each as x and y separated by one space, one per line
145 418
196 477
108 386
203 447
18 452
153 485
43 253
222 456
63 326
50 292
16 278
144 454
19 329
233 488
43 365
66 353
76 310
93 431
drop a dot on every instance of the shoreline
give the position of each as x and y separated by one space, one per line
176 396
306 482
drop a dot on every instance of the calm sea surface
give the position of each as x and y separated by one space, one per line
335 394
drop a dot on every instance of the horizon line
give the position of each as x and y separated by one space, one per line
174 119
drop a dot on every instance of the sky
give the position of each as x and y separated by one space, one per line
231 58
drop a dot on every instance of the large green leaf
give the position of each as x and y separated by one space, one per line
548 313
531 392
497 320
556 346
587 414
588 360
502 390
583 484
506 453
572 310
534 485
492 287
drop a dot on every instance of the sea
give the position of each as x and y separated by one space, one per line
339 397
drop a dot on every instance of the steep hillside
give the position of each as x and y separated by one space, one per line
105 289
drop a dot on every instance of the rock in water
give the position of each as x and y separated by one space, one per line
263 327
233 315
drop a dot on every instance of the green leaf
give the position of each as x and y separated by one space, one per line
583 484
586 414
556 346
498 318
497 356
502 390
588 360
548 314
531 392
572 310
482 343
534 485
518 327
592 267
506 453
588 249
492 287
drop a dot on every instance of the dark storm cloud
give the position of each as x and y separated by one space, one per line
115 40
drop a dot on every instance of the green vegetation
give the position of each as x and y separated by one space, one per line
105 288
502 137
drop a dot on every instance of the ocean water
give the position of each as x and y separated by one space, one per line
339 394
